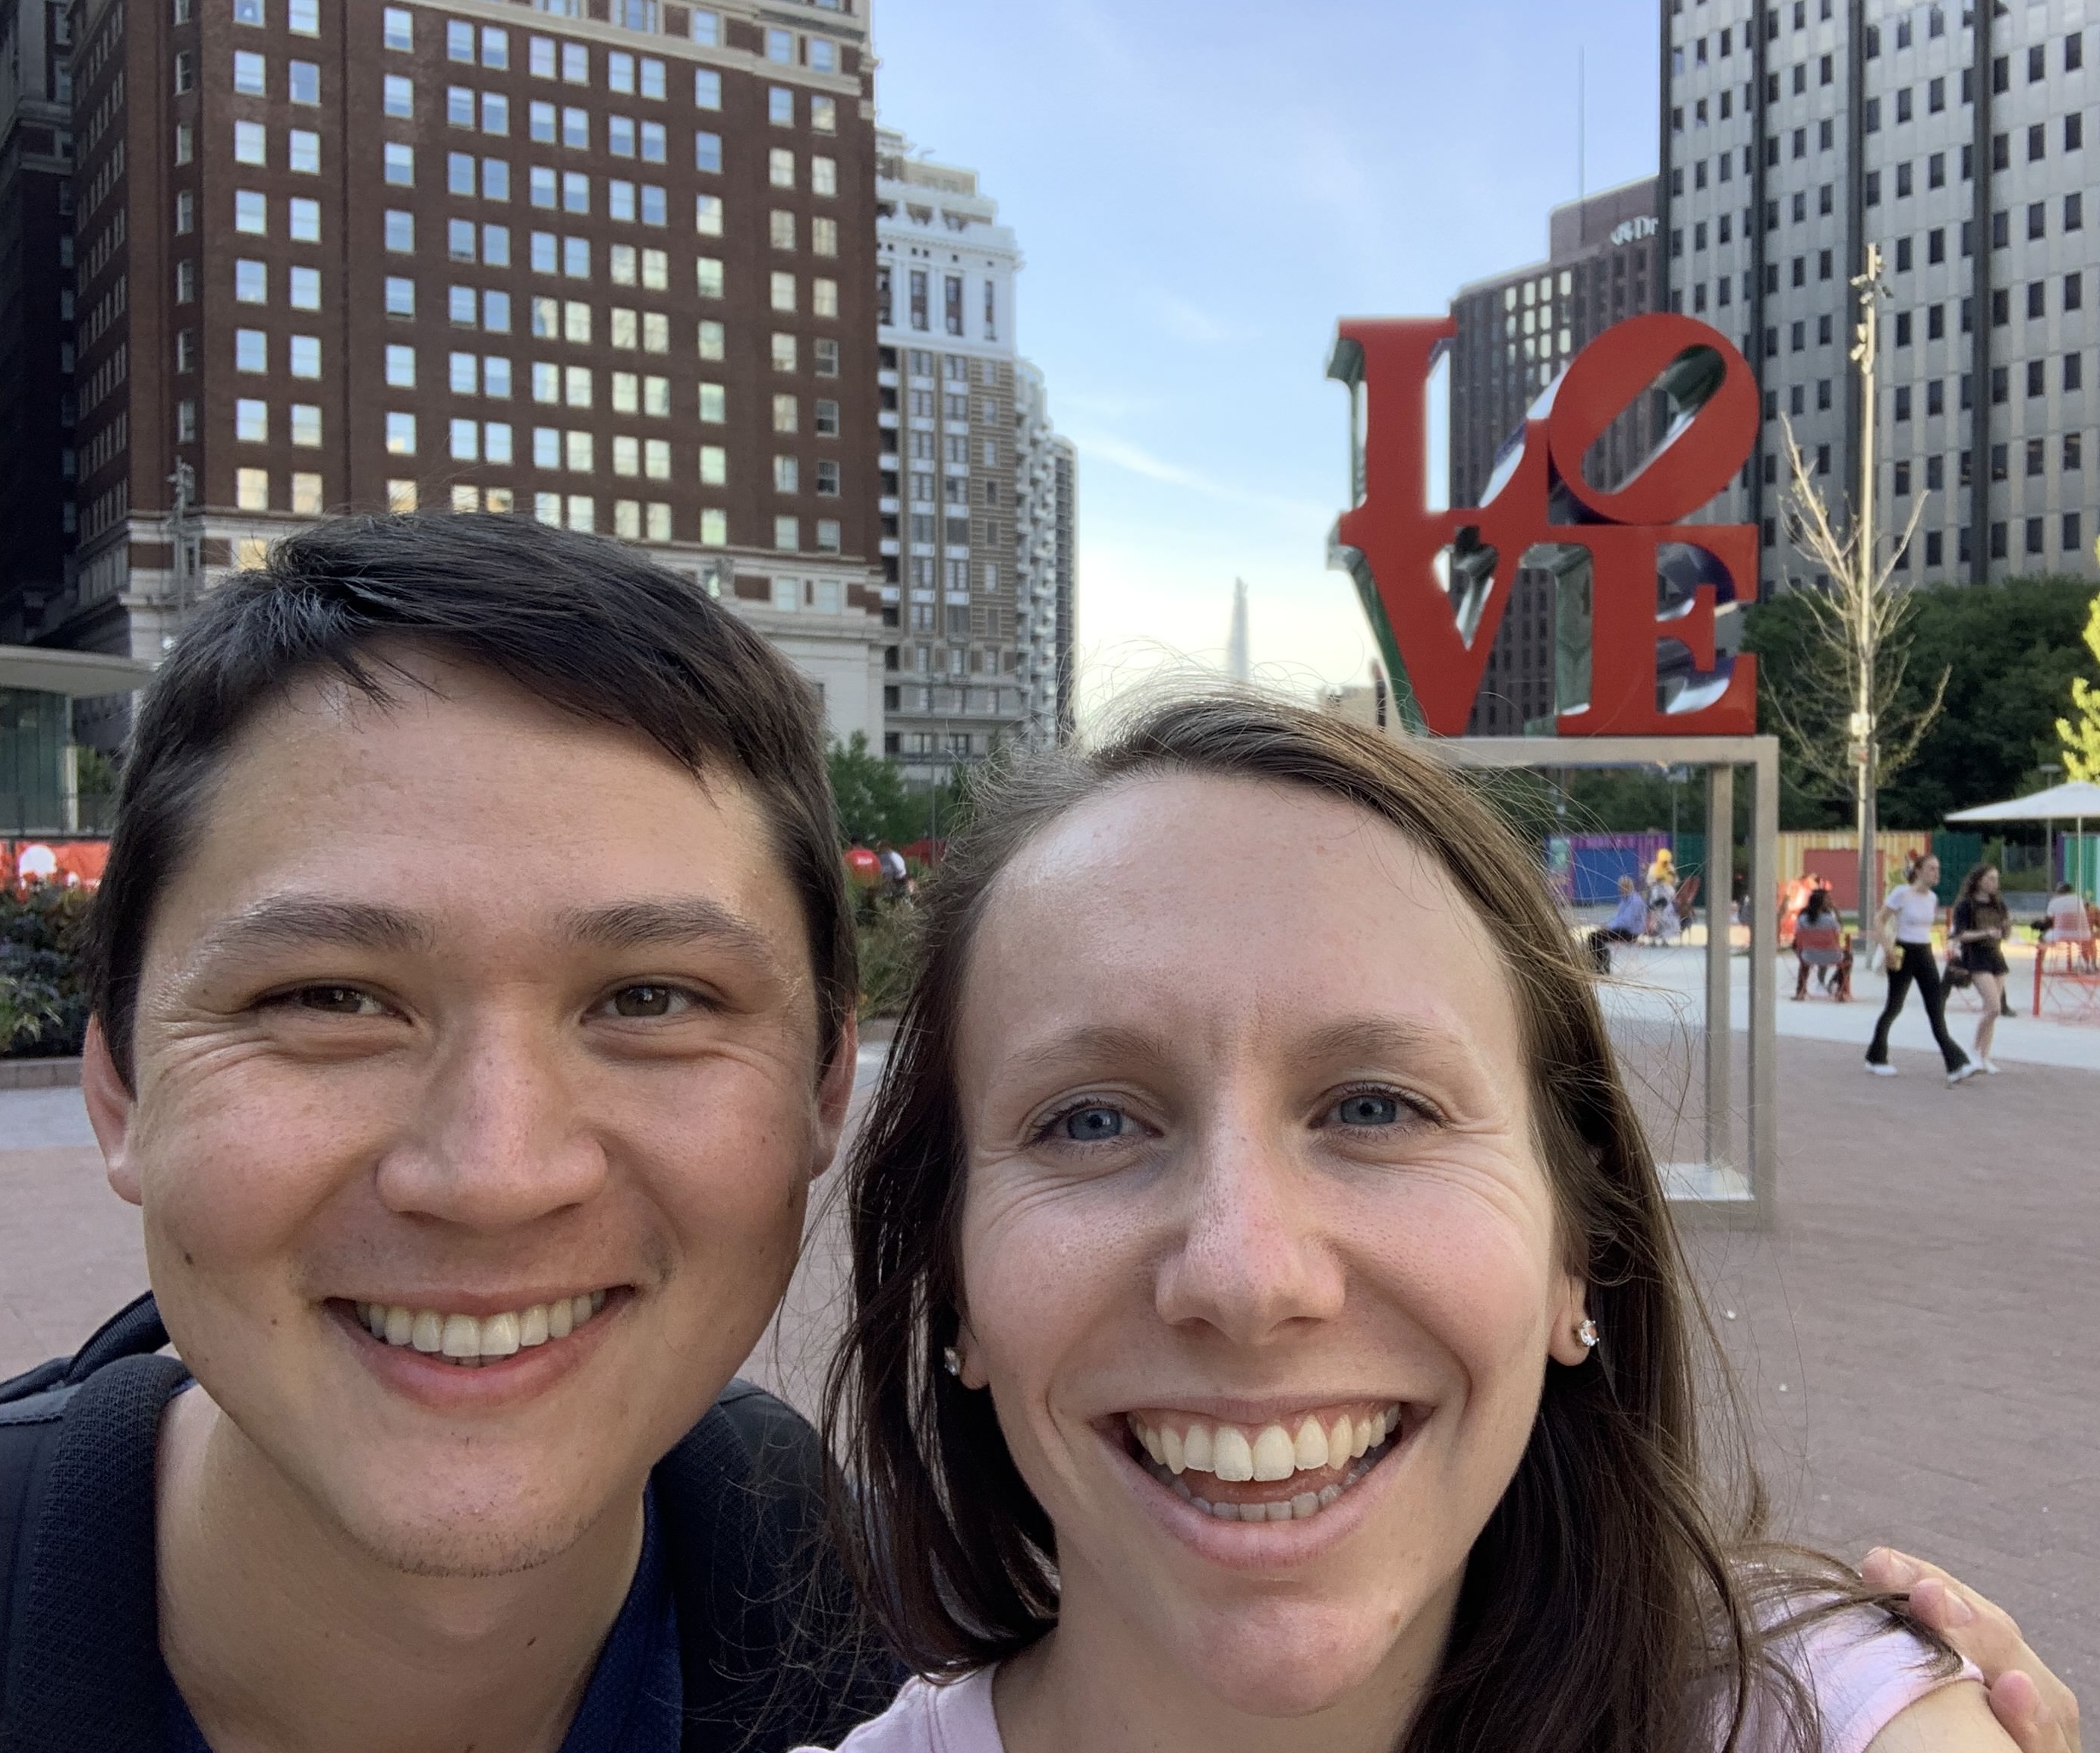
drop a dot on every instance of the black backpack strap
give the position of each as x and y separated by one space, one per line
134 1331
77 1440
776 1651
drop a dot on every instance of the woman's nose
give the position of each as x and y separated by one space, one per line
1251 1256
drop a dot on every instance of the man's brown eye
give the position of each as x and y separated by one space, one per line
644 1000
336 1001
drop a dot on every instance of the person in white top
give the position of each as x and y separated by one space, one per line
1268 1330
1905 922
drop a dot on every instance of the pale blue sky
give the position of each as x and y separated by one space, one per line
1200 190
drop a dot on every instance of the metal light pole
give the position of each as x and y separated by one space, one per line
184 481
1865 749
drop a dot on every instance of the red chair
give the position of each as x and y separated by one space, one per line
1823 946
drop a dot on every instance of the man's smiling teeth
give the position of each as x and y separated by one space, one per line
1320 1444
1273 1453
466 1340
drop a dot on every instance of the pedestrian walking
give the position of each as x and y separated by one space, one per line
1905 925
1976 940
1665 924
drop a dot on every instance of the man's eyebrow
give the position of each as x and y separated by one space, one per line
685 919
287 921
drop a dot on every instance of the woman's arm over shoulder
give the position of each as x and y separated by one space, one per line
1954 1718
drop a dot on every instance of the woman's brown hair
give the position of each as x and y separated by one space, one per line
1605 1609
1973 882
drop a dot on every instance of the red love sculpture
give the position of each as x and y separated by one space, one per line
1438 629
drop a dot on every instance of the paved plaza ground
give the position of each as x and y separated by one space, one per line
1915 1337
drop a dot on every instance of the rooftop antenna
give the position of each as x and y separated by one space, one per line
1237 664
1582 125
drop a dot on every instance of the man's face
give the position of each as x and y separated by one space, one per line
477 1099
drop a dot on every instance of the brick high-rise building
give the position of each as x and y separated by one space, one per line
1516 333
1952 135
606 262
36 456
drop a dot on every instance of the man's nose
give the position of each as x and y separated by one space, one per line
1251 1256
500 1138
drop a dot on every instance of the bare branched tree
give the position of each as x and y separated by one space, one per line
1839 713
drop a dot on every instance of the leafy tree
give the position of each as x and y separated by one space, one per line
2010 651
2080 735
876 802
870 794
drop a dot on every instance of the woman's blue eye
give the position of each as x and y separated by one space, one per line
1093 1125
1368 1110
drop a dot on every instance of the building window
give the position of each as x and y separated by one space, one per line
305 153
781 229
251 489
400 297
787 413
780 106
306 425
714 404
251 350
714 465
399 161
251 213
251 282
787 534
250 144
783 292
251 421
401 368
304 82
707 215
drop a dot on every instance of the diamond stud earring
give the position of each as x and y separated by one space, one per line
1587 1333
954 1364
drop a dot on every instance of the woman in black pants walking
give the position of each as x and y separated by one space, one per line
1912 906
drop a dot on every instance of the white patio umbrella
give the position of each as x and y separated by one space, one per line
2077 800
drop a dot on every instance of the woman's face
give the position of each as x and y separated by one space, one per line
1254 1220
1927 874
1987 885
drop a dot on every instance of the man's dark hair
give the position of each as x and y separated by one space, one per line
585 624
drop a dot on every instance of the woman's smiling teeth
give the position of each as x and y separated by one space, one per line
467 1339
1331 1449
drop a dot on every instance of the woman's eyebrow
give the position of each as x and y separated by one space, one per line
1087 1046
1386 1039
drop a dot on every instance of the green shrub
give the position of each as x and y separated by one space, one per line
888 956
43 992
